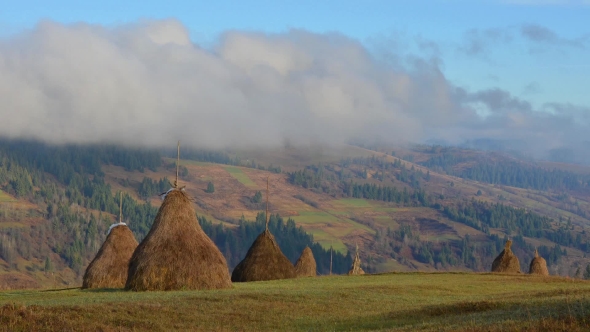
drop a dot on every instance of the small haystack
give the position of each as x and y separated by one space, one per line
538 265
110 266
264 260
176 253
306 265
506 262
356 264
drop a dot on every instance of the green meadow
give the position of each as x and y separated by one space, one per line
4 197
237 174
386 302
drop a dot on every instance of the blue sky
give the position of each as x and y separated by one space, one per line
480 44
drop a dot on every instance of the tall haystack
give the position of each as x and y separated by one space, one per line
109 267
176 253
356 264
306 265
264 260
506 262
538 265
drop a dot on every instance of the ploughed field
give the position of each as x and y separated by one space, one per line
393 301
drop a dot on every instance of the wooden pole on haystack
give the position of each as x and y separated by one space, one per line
121 206
177 163
267 216
331 259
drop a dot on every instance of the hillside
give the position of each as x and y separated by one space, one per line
399 301
404 215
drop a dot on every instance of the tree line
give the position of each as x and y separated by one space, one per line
234 243
474 213
509 173
79 207
217 157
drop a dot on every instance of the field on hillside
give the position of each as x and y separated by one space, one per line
4 197
402 301
330 225
344 223
48 235
292 159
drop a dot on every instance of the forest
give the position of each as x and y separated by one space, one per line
77 207
77 204
474 213
509 173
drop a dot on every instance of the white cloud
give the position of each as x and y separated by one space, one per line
147 84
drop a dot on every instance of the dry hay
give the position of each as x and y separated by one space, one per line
356 264
506 262
110 266
306 265
538 265
176 253
264 261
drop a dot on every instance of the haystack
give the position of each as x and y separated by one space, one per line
506 262
109 267
176 253
356 264
264 260
538 265
306 265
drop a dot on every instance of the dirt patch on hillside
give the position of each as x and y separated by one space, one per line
432 226
15 280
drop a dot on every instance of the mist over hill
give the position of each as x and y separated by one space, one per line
145 83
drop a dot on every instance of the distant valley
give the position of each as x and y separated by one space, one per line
425 208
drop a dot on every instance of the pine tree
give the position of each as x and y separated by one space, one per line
210 188
48 265
257 197
587 272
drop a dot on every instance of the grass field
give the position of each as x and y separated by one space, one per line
325 217
328 229
185 162
402 301
328 240
12 224
354 202
237 174
4 197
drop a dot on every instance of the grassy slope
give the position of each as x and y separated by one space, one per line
338 222
4 197
542 202
234 184
403 301
335 222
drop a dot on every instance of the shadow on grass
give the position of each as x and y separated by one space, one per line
105 290
59 289
573 315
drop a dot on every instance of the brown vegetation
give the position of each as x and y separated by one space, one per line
110 266
176 253
264 261
538 265
15 280
506 262
356 264
306 265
